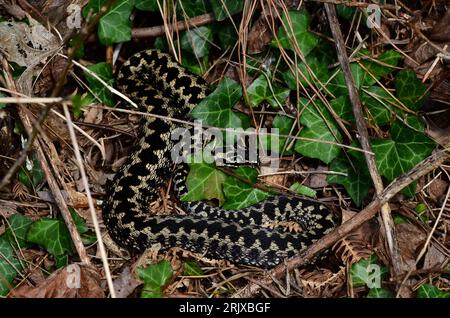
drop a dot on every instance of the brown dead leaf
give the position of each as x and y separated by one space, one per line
126 283
72 281
317 180
12 8
437 189
357 244
434 257
441 30
259 36
321 282
50 75
410 239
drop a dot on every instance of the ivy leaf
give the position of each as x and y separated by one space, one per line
147 5
9 265
379 103
155 277
284 125
16 233
215 110
227 35
197 41
259 91
431 291
223 9
204 182
401 153
411 91
52 235
337 85
367 272
197 66
115 25
317 67
379 293
358 181
382 66
192 8
303 190
191 268
317 128
103 71
343 108
239 194
33 175
295 30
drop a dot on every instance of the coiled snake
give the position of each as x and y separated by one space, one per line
155 82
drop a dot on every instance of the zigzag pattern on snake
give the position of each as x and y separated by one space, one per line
155 82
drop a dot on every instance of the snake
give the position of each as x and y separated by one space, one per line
160 86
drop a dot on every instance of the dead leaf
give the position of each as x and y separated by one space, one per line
259 36
72 281
434 257
126 283
27 44
318 180
358 244
410 239
321 282
12 8
437 189
441 30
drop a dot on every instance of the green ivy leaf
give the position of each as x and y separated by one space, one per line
380 67
431 291
197 41
303 190
337 85
358 181
345 12
155 277
295 30
32 177
103 71
227 35
343 108
204 182
318 68
147 5
223 9
9 265
197 66
317 128
367 272
284 125
192 8
378 103
259 91
379 293
409 90
215 110
16 233
402 152
192 268
115 25
52 235
80 223
421 210
239 194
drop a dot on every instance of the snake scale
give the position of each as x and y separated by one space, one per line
159 85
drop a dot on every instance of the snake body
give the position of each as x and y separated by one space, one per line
159 85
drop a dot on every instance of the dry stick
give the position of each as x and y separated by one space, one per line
363 135
180 25
51 180
90 201
421 169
